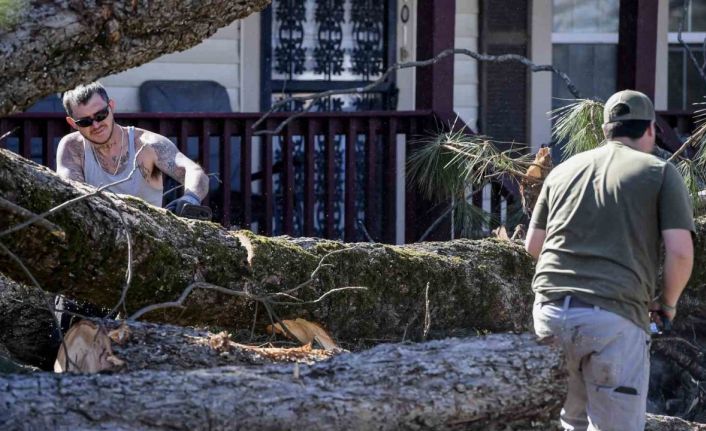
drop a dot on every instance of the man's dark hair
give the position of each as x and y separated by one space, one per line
633 129
82 94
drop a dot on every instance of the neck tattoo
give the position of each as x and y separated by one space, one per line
120 155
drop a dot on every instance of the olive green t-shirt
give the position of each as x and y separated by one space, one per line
603 211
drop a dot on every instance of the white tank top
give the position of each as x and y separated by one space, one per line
96 176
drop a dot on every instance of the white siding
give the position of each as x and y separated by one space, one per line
215 59
465 68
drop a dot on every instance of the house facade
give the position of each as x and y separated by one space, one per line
319 175
503 101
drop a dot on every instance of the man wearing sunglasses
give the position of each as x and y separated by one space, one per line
101 152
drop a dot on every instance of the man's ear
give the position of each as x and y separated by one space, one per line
111 103
72 123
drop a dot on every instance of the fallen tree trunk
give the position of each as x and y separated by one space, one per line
47 47
455 287
477 383
485 383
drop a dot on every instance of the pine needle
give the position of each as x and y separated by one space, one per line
579 126
445 163
432 167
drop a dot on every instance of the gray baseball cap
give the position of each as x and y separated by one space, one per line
628 105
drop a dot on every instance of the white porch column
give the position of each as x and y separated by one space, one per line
540 82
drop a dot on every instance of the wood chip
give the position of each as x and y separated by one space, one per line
305 332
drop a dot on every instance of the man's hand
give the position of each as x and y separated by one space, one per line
662 315
189 206
658 309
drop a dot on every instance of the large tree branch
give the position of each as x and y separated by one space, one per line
47 47
169 253
473 284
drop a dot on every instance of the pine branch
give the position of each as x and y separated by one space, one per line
579 125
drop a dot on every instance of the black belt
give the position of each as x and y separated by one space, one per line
574 302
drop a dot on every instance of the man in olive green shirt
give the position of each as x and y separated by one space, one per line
596 231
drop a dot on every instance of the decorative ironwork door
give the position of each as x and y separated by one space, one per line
310 46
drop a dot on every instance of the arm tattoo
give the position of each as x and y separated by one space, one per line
166 153
70 159
175 164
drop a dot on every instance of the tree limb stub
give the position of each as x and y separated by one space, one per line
47 47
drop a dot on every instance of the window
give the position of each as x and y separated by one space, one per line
686 86
585 47
576 16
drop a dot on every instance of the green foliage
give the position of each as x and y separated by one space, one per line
447 165
694 170
444 165
433 169
579 125
697 140
469 220
692 176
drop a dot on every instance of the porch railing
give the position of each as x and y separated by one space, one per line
335 175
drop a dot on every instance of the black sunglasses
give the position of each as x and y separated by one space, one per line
98 116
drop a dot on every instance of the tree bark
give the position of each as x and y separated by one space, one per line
47 47
497 382
471 285
668 423
477 383
27 326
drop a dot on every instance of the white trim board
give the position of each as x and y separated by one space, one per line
607 38
690 38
